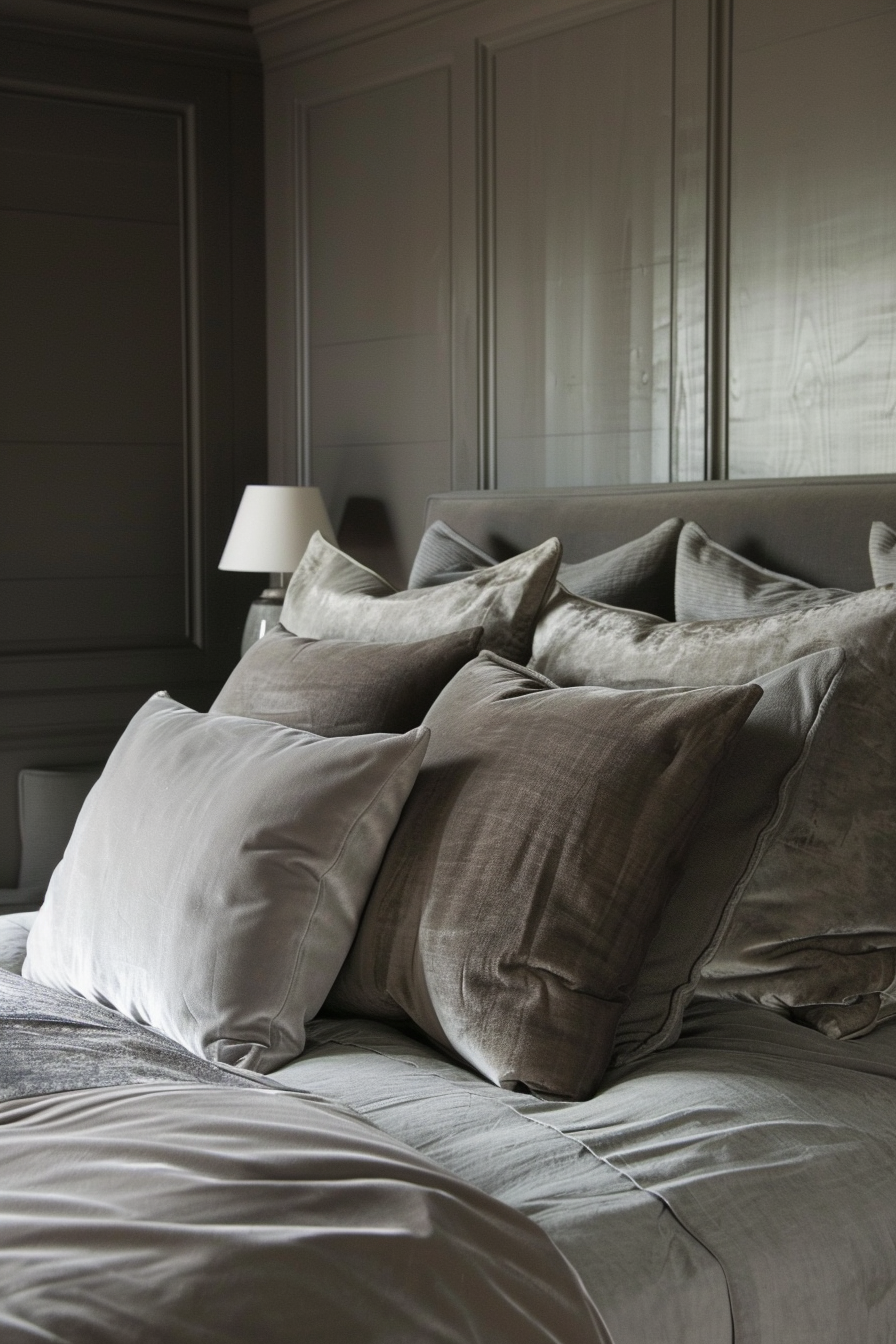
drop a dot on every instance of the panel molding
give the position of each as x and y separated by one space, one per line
192 416
198 27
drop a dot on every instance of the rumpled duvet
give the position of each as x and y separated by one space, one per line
150 1197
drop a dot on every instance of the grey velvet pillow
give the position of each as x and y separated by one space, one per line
337 687
216 875
639 574
816 923
532 860
332 596
715 584
882 553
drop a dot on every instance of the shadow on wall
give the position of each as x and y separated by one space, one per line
366 533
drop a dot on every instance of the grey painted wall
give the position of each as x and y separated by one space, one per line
132 401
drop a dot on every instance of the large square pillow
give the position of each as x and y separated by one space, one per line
882 553
816 922
337 687
332 596
715 584
216 874
530 866
640 573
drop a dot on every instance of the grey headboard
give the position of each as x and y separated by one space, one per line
815 529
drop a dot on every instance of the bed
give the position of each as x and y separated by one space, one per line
733 1180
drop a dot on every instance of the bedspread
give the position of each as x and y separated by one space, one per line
152 1197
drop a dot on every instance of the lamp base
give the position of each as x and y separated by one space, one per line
264 614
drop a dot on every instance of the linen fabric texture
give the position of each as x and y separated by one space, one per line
332 596
216 874
640 573
814 930
526 876
715 584
882 553
339 687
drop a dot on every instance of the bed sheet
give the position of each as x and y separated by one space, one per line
740 1185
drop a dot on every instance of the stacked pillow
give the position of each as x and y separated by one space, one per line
639 574
882 553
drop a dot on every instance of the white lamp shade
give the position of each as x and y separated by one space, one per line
272 527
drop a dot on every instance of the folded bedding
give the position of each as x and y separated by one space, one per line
155 1196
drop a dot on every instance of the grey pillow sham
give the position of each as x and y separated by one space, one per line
338 687
216 875
715 584
882 553
532 860
332 596
816 923
639 574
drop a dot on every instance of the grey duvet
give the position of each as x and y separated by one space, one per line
149 1196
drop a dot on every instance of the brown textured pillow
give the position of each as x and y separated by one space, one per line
816 924
526 876
338 687
882 553
332 596
715 584
640 573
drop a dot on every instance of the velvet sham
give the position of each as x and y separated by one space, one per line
882 553
715 584
339 687
639 574
519 893
814 930
216 874
332 596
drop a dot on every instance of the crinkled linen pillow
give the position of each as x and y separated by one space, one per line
338 687
815 927
882 553
639 574
715 584
332 596
532 860
216 875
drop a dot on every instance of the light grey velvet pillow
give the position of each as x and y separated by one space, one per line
216 875
532 860
715 584
816 923
749 804
640 573
332 596
882 553
338 687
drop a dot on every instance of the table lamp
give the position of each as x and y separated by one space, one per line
272 527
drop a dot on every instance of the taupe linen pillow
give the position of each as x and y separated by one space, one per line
640 573
816 924
332 596
530 865
216 875
882 553
338 687
715 584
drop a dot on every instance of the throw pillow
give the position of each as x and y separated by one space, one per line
882 553
530 866
216 874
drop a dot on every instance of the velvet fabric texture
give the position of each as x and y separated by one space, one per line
715 584
750 801
816 924
332 596
338 687
216 875
528 871
882 553
640 573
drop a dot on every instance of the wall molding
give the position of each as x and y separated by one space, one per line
215 28
288 30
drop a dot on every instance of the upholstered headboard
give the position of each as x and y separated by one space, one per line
814 529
